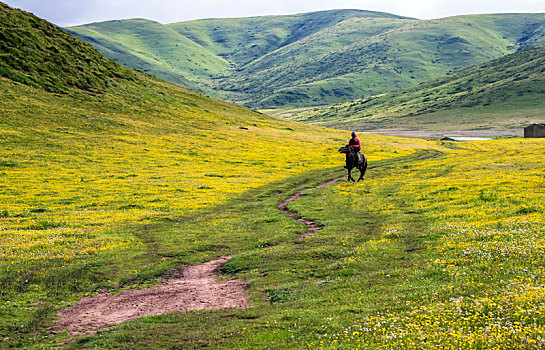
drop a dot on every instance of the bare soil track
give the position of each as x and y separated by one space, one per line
196 289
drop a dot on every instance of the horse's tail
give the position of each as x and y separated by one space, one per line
364 164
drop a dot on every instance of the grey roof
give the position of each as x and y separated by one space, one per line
456 138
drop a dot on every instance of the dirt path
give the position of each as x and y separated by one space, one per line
312 226
197 289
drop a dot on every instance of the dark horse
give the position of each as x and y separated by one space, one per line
352 162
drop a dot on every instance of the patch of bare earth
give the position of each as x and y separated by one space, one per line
197 289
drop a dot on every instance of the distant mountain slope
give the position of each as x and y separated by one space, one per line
507 93
316 58
398 54
183 57
243 40
289 75
154 48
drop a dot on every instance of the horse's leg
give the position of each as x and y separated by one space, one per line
350 175
363 169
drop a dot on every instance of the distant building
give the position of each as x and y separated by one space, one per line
460 139
535 130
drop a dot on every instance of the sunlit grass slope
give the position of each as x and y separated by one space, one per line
442 253
322 57
76 165
92 152
502 95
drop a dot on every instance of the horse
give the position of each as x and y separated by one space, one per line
352 163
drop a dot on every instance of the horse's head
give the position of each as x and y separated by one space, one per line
348 149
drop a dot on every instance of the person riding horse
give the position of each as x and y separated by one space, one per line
353 158
355 141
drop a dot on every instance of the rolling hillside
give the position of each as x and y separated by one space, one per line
113 182
498 97
156 49
93 153
244 40
317 58
90 148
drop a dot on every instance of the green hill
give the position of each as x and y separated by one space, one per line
397 55
32 53
89 149
500 96
317 58
244 40
234 43
154 48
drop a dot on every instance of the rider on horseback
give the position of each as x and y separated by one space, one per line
355 141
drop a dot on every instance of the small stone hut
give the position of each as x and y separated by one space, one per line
535 130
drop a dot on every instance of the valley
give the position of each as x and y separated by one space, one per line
153 200
498 98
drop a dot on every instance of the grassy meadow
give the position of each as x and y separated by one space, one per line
111 179
85 181
426 253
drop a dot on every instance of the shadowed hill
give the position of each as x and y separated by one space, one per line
37 53
503 94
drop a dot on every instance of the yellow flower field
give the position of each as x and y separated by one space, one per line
484 202
73 172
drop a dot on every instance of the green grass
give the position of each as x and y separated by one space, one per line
384 253
33 53
500 96
311 59
114 187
